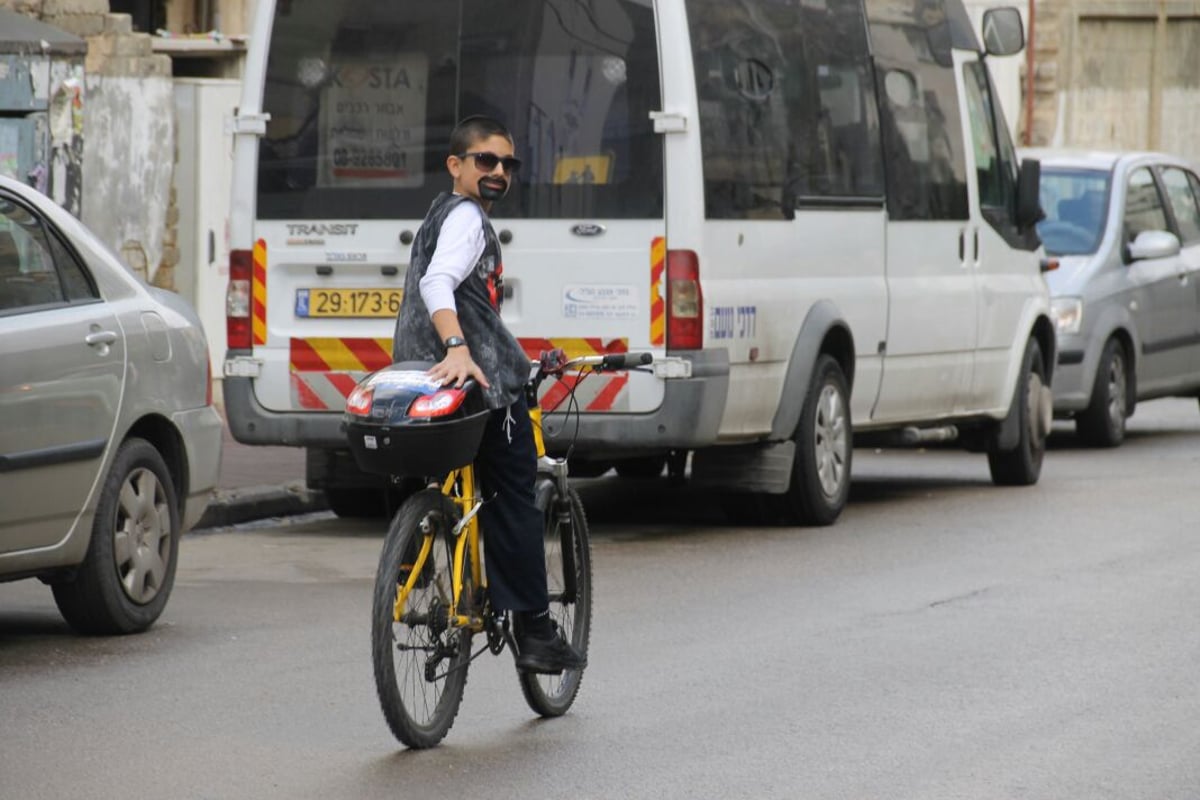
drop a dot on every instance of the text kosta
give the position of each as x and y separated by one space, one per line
372 78
322 229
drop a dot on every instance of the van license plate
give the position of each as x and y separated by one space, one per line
348 302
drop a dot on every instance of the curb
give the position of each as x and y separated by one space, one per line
235 506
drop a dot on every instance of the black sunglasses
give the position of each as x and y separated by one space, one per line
488 161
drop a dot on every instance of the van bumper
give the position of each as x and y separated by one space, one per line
689 416
251 423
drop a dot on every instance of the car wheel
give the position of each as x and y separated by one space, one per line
1022 466
1102 423
126 577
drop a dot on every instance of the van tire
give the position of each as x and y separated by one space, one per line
820 481
1022 465
1102 423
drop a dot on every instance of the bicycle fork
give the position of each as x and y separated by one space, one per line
561 509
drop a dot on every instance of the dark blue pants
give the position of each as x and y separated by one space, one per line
506 467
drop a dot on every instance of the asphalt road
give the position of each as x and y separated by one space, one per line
946 639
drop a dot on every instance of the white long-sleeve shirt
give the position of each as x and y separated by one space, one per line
459 248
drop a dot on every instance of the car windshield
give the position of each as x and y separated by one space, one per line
1075 202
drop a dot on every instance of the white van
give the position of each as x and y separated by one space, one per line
812 210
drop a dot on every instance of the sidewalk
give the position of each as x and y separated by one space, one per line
258 482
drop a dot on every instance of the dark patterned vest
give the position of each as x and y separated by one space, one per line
478 299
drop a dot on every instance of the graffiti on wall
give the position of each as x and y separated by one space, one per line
64 183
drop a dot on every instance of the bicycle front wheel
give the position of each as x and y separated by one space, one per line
420 659
569 579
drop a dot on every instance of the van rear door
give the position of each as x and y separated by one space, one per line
582 229
363 96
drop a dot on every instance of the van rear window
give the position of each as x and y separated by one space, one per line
363 95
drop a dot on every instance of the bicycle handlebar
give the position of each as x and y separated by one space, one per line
625 360
608 361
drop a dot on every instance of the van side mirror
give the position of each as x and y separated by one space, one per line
1029 205
1154 244
1003 31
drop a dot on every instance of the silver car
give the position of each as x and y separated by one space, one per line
109 442
1125 228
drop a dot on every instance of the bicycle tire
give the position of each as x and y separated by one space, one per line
419 710
553 695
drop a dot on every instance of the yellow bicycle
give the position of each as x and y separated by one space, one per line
430 598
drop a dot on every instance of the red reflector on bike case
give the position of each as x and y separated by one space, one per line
441 404
360 401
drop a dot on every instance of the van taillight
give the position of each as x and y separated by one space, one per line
238 299
685 301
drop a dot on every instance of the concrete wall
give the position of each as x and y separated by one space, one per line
129 149
1118 74
128 134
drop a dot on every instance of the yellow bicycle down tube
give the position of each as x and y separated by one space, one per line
413 572
468 540
402 592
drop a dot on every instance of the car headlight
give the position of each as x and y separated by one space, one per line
1067 313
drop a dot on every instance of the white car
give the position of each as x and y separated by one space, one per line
1125 228
109 442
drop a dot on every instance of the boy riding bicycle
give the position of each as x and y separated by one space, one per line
451 314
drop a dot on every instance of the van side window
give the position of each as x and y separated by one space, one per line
919 115
995 175
1143 205
788 116
1179 185
996 168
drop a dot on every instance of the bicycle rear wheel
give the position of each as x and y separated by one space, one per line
569 579
420 662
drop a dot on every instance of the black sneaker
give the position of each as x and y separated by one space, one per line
548 656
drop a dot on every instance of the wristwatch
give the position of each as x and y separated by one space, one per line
455 341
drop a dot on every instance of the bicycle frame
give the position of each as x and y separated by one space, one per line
460 488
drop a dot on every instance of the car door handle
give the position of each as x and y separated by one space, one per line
100 337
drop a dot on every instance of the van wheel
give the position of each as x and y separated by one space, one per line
1022 466
1102 423
820 482
126 577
